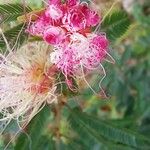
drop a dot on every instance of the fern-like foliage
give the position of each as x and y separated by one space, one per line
115 24
105 133
34 131
15 37
10 12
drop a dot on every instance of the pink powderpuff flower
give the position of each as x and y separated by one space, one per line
26 83
71 16
68 27
81 53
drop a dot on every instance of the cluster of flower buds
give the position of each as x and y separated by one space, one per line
68 27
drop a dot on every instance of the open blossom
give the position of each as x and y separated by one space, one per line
81 53
26 83
71 16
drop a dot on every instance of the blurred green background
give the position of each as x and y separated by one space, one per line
119 122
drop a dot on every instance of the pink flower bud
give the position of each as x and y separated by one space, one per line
54 35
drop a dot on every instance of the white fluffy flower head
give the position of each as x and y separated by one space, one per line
26 82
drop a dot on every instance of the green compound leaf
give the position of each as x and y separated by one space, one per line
10 12
15 37
34 138
115 25
105 133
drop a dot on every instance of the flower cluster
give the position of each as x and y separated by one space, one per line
68 27
27 75
58 21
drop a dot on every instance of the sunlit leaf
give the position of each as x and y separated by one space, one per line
115 24
10 12
14 36
104 132
31 137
